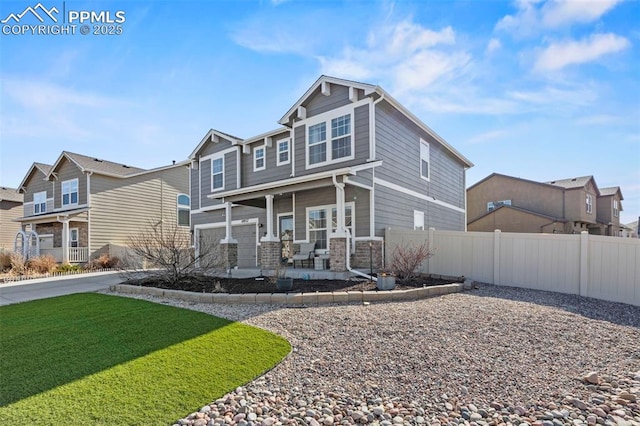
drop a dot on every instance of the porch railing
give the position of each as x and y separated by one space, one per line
76 254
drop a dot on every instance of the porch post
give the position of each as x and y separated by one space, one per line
270 235
339 240
65 241
228 239
341 229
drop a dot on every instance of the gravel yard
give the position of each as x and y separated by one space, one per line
493 355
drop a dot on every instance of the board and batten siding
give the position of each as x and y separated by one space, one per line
65 171
398 146
123 207
9 210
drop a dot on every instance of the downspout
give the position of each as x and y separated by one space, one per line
348 248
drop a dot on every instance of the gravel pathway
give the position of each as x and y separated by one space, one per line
490 356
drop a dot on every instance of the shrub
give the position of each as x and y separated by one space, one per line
18 264
5 261
68 268
105 261
42 264
407 259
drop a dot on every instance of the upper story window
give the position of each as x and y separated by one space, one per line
284 157
418 220
258 158
616 209
183 210
70 192
40 202
589 203
425 171
492 205
217 174
329 140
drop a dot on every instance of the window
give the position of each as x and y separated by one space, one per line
330 140
424 160
283 152
217 174
70 192
616 210
318 143
319 229
73 237
258 158
418 220
40 202
589 203
490 206
183 210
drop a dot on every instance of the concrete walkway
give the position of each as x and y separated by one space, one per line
42 288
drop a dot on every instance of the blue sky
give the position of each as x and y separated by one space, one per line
535 89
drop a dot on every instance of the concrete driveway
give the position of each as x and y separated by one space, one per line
41 288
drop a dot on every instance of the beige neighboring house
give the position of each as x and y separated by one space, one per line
10 209
81 207
564 206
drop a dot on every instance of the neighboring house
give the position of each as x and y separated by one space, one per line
563 206
348 162
81 207
10 209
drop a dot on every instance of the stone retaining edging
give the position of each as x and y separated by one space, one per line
317 297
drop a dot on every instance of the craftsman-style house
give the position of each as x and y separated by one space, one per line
81 207
348 162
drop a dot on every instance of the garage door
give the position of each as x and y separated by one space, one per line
244 234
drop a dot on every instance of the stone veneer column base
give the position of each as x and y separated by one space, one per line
270 254
338 253
362 257
229 255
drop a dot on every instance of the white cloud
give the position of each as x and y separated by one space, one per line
533 16
559 55
488 136
493 45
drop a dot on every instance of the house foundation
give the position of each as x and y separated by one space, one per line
367 255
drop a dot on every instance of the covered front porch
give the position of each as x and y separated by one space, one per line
63 235
310 219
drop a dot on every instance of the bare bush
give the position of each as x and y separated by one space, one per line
5 261
407 259
18 263
168 248
44 264
105 261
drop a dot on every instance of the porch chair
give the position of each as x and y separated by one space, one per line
306 253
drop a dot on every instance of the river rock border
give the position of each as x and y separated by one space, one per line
317 297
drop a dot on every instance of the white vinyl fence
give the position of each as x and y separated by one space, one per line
606 268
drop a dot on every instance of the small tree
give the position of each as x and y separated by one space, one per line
168 248
407 259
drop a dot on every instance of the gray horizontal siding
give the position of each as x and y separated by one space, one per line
272 172
398 145
361 145
230 178
194 187
213 147
395 210
237 213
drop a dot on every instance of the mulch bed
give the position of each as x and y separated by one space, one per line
208 284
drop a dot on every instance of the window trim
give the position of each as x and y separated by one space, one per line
616 210
589 203
213 159
425 156
418 214
255 157
62 192
42 204
328 208
288 151
182 207
77 240
326 118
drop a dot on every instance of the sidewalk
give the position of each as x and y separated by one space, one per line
41 288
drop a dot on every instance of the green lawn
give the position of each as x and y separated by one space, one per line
108 360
